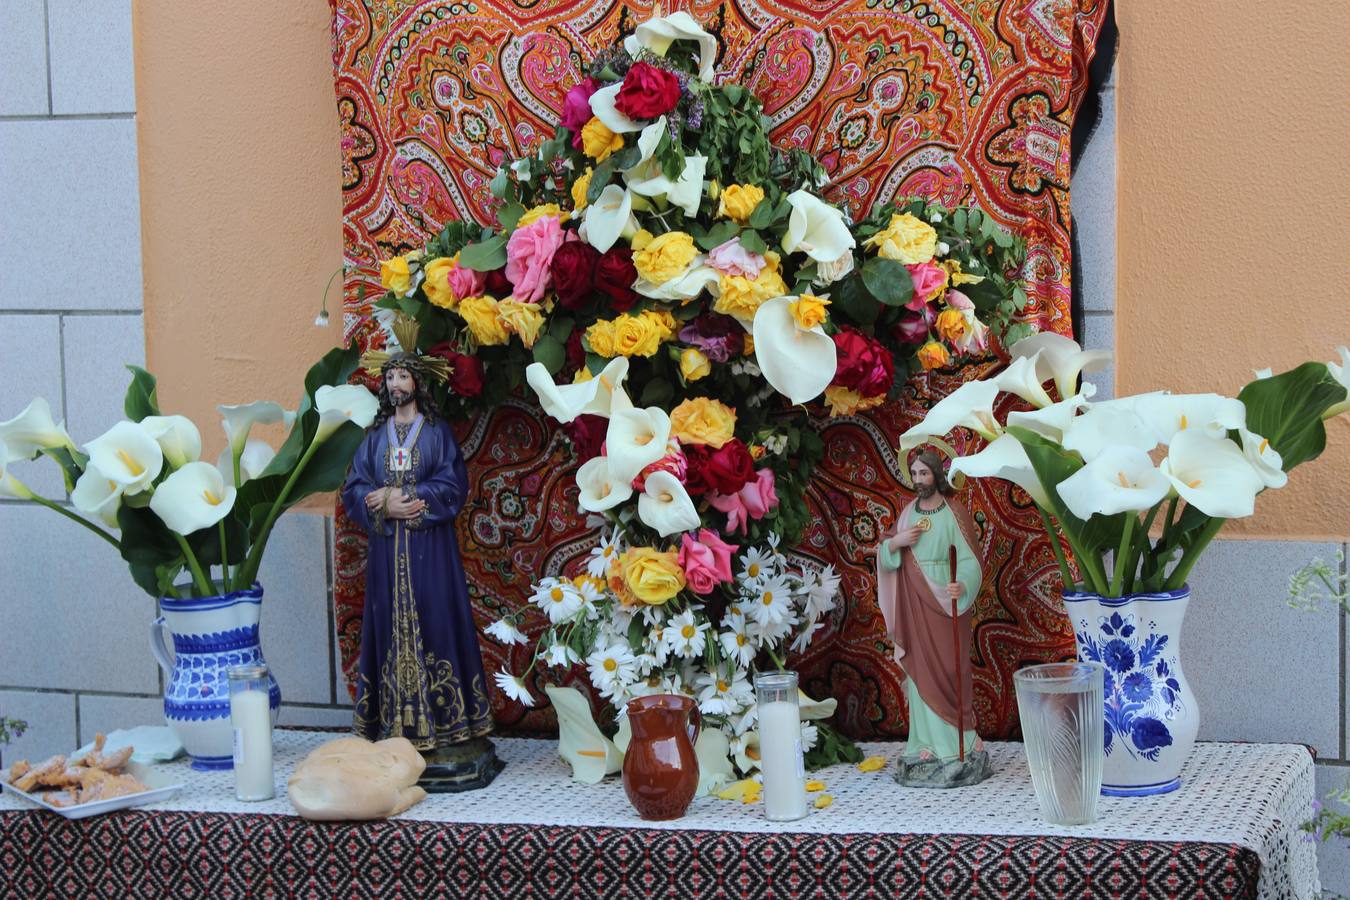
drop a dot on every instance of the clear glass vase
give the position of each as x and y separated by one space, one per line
1062 715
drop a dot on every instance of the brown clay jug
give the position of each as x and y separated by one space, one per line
660 770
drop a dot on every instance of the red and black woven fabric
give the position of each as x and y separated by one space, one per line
217 855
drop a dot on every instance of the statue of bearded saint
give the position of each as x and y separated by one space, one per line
928 576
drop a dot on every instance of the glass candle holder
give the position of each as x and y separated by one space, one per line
780 746
1063 717
251 718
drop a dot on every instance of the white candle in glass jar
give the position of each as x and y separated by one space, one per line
780 754
251 716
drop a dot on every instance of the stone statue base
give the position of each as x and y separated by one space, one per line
931 772
463 767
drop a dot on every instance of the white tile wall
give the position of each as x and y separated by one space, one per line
33 343
91 57
51 724
98 350
23 58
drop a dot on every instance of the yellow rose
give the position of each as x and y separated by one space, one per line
535 213
809 310
395 276
579 189
933 355
598 142
480 314
636 335
521 318
748 345
694 364
601 338
640 240
951 325
906 239
664 320
652 576
957 277
703 420
436 285
582 376
667 256
845 402
741 297
738 201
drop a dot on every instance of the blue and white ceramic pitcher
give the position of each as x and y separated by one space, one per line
210 635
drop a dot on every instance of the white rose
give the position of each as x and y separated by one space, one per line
829 272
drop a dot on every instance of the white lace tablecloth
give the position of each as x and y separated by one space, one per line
1252 795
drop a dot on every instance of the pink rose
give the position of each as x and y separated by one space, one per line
529 253
466 283
576 110
911 329
731 258
706 560
753 501
928 283
958 300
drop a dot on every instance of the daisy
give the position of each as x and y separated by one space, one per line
592 591
658 644
774 552
803 640
736 643
810 735
608 548
745 721
612 669
561 655
820 597
514 688
721 694
772 603
505 631
687 637
770 634
561 601
755 564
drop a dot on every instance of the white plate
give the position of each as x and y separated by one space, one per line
156 782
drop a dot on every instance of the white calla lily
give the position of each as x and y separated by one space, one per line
1167 415
177 436
1061 359
647 143
595 396
798 363
665 505
1120 479
602 105
1265 459
635 439
684 192
1212 474
1341 372
1054 420
239 420
9 485
193 498
581 743
699 278
1104 426
600 490
816 228
128 454
658 34
98 495
33 431
969 406
605 219
1023 378
341 404
255 458
1005 458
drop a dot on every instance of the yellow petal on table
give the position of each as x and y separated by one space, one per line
750 797
740 789
813 786
823 801
872 764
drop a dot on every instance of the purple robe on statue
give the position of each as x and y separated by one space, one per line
420 673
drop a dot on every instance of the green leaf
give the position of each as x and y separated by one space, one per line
550 351
657 392
717 235
888 281
853 299
561 328
752 241
1053 464
142 399
484 256
600 179
147 545
499 183
509 215
1286 409
72 466
762 217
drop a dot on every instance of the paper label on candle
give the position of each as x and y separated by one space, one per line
238 747
801 761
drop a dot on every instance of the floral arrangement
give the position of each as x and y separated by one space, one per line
143 487
1103 474
676 290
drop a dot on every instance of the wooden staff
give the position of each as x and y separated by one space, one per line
956 644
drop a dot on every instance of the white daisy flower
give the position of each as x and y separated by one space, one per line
720 694
505 631
609 547
591 595
803 639
561 601
777 555
561 655
657 643
736 642
771 633
772 603
809 735
514 687
612 669
755 564
745 721
820 598
686 636
776 444
646 664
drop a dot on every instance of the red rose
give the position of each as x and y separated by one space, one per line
647 92
498 285
466 376
576 354
577 108
722 471
587 433
864 364
615 275
573 269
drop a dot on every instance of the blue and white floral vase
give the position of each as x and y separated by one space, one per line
210 636
1151 715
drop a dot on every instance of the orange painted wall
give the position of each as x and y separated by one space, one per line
241 205
1232 224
